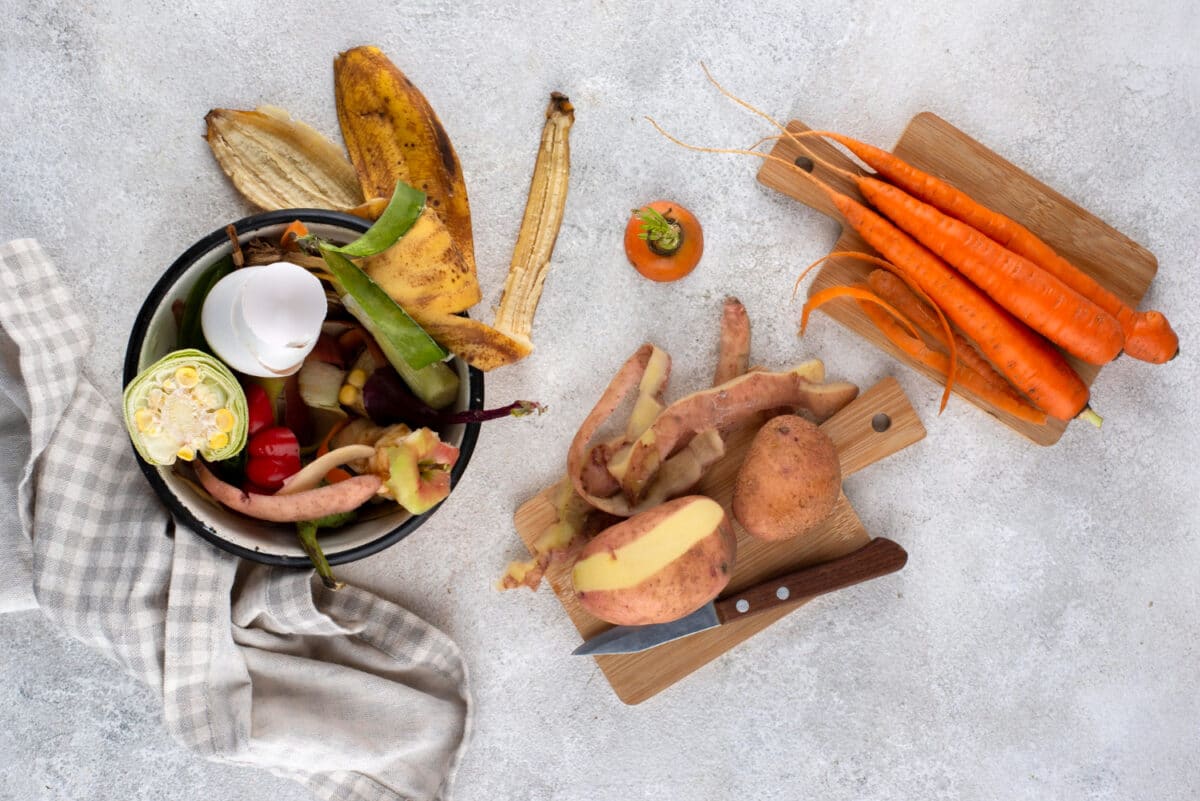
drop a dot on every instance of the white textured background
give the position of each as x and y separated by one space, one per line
1041 643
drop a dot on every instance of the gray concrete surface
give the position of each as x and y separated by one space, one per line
1041 643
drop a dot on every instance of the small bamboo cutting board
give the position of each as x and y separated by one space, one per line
937 147
877 424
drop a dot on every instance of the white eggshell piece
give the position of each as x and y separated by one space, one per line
263 321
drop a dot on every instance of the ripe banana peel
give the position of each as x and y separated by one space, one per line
425 274
539 226
280 163
423 271
477 343
392 133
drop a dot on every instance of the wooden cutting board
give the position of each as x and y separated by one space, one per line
937 147
877 424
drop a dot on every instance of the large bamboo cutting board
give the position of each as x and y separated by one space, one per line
937 147
876 425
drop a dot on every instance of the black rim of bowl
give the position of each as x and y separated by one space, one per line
133 353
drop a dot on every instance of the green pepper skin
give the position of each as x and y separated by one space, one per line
402 211
307 532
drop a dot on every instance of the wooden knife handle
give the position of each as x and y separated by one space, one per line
877 558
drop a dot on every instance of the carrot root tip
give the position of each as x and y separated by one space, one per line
1089 414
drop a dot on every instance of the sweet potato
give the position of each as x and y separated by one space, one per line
789 481
313 504
659 565
733 357
725 405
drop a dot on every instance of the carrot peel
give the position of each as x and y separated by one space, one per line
1003 398
864 295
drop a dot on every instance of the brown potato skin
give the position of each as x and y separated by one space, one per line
679 588
789 481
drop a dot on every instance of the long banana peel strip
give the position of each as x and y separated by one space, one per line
539 227
280 163
392 133
477 343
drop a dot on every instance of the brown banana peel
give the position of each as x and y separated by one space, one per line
540 224
424 272
393 134
480 345
277 162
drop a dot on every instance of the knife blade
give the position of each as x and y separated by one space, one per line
877 558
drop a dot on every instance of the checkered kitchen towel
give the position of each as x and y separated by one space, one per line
343 691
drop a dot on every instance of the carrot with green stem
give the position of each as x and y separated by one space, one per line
1024 358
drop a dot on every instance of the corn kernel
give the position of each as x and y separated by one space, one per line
168 386
224 420
187 376
357 378
218 440
347 394
143 419
186 454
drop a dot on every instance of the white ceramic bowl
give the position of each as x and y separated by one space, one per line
153 336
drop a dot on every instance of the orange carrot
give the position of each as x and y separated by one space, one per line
1029 362
913 291
337 474
1001 397
865 298
1024 358
295 230
1148 335
892 289
1034 296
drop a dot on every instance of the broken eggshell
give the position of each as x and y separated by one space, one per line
262 321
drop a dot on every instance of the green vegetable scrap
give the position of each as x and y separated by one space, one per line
402 211
186 404
307 532
407 346
190 333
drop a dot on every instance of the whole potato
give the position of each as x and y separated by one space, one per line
789 482
659 565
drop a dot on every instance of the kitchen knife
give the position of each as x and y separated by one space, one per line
877 558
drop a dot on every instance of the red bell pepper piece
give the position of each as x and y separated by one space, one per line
272 455
260 409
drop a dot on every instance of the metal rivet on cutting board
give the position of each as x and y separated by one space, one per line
742 605
782 593
804 163
881 422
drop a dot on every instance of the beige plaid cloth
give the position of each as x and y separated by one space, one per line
343 691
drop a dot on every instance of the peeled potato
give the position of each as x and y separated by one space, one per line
659 565
789 481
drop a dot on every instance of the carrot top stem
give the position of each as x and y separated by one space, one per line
661 233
